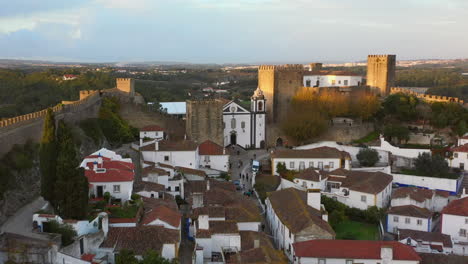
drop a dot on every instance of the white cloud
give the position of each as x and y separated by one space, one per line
76 34
126 4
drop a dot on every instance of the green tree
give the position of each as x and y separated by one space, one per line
126 256
368 157
48 157
431 165
396 131
281 168
67 231
71 187
401 106
461 128
152 257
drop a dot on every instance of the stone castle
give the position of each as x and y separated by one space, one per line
381 73
428 97
205 120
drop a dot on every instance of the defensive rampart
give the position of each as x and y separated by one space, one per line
20 129
428 97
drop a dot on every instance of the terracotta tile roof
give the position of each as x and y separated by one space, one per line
462 148
361 181
410 210
153 187
426 236
291 207
152 128
140 239
316 153
265 253
151 169
164 214
115 171
211 211
167 200
309 175
457 207
223 227
208 147
88 257
242 209
353 249
445 194
429 258
414 193
122 220
191 171
164 165
183 145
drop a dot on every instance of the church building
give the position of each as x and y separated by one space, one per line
243 127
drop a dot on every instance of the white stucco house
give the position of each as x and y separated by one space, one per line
459 157
82 227
182 153
109 174
331 79
433 200
359 189
213 236
311 178
426 242
295 216
354 251
244 127
161 174
322 158
455 224
151 133
213 156
409 217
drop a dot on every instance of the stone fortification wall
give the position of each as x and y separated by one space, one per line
205 121
428 97
20 129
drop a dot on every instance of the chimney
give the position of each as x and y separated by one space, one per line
156 144
256 243
99 160
185 136
207 185
386 253
313 198
94 166
203 222
224 151
324 213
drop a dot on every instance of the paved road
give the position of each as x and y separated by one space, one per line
245 157
21 222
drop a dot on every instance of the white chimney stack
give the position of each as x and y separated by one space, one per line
386 254
100 160
94 166
207 185
313 198
156 144
256 243
463 195
203 222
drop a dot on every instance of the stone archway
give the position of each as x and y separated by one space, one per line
233 139
279 142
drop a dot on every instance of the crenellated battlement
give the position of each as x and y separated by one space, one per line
381 56
427 97
286 67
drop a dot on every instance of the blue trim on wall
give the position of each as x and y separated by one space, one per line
407 185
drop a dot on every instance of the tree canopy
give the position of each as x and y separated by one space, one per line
48 157
368 157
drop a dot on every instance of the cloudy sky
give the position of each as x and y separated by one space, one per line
232 31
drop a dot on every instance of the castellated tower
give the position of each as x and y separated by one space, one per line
279 84
205 120
126 85
381 73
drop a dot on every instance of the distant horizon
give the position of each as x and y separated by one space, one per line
234 32
45 60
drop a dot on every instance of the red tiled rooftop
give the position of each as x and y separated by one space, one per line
462 148
116 171
121 220
164 214
88 257
152 128
353 249
457 207
208 147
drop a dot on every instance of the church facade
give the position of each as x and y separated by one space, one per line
244 127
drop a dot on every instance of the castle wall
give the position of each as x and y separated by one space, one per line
126 85
205 120
266 82
20 129
381 72
428 97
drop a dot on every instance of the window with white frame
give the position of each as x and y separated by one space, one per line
349 261
363 198
320 165
419 222
311 164
207 158
345 82
331 165
116 188
322 261
395 219
291 164
466 220
242 124
455 155
407 220
166 158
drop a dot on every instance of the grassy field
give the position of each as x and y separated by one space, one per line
356 231
372 136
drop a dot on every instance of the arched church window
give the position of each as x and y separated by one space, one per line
260 106
242 124
233 123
